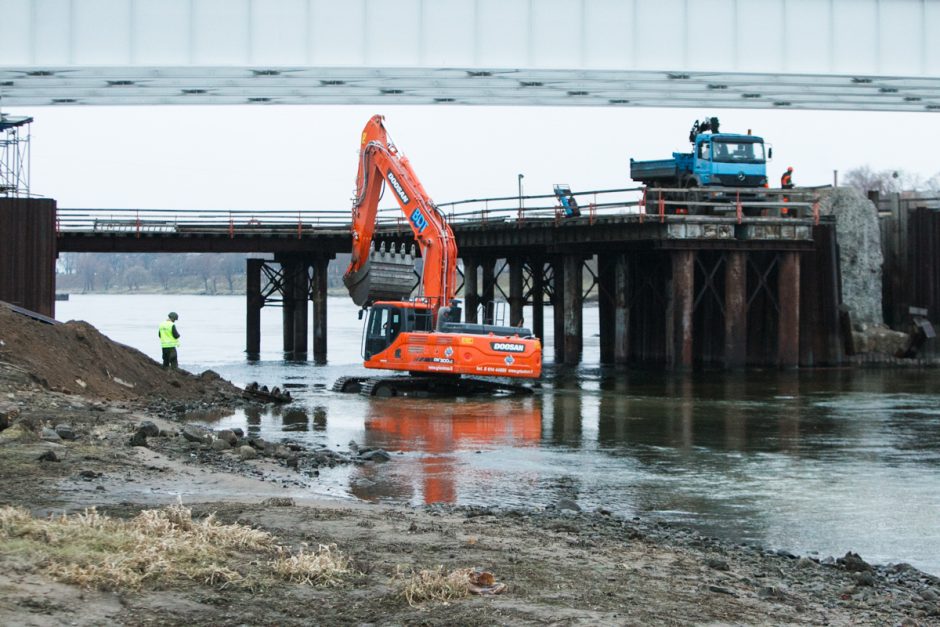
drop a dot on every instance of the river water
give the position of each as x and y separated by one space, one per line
817 462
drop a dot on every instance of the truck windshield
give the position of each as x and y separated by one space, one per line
738 152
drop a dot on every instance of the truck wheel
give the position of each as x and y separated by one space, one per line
694 197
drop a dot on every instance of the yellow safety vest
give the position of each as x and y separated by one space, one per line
166 335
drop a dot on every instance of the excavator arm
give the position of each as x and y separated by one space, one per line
379 274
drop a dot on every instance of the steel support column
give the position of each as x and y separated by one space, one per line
254 302
683 281
288 269
300 287
622 288
319 310
537 269
516 295
605 306
573 314
558 309
788 296
735 309
470 291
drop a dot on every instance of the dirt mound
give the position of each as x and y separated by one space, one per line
76 358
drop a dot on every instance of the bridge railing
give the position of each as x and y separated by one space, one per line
590 205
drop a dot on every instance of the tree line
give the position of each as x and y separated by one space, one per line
205 273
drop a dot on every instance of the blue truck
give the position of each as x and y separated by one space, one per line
724 160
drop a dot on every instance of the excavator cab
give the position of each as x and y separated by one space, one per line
387 321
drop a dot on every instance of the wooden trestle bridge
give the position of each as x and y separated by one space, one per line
730 289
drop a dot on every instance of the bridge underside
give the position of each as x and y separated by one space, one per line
65 85
801 54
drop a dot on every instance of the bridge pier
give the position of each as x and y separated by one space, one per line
788 295
319 292
735 345
254 302
621 305
679 329
573 311
292 285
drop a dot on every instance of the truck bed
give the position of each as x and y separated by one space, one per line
665 170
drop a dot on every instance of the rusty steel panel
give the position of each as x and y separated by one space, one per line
788 298
735 309
573 327
683 282
28 253
622 286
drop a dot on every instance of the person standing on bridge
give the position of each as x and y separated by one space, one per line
786 182
169 340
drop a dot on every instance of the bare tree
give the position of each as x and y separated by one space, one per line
865 180
135 276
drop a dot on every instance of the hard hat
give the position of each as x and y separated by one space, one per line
790 169
173 315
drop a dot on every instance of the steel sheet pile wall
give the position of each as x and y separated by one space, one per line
923 238
28 253
820 297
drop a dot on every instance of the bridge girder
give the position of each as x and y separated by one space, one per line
800 54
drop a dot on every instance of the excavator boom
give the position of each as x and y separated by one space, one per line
388 274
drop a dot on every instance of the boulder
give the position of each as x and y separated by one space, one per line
227 435
138 439
65 431
568 504
879 339
193 433
247 452
49 435
220 445
48 456
148 429
376 455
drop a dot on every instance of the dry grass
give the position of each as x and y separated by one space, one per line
434 585
157 548
324 567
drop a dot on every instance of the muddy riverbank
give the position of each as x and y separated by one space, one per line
121 449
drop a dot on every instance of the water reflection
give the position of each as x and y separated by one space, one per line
439 434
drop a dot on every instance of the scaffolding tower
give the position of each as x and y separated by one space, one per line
14 155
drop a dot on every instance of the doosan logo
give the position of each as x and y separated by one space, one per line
507 347
398 189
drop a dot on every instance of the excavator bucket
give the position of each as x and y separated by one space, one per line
386 275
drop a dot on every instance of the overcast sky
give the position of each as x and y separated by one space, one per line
305 157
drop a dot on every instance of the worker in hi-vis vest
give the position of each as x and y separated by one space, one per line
169 340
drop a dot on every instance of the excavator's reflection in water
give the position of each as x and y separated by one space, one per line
439 432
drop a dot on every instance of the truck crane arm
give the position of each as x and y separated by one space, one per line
375 275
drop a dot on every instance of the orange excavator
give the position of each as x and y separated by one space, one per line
422 335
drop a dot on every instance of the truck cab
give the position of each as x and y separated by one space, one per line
729 160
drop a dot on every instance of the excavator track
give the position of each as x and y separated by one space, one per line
421 387
348 385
